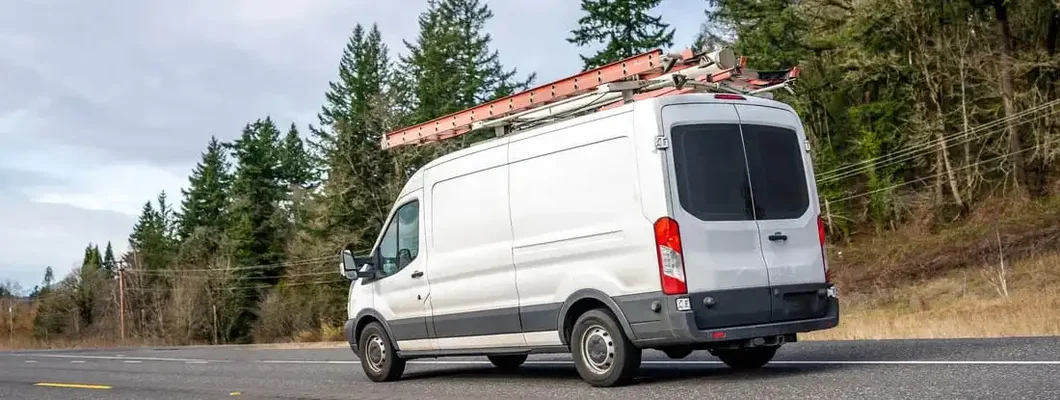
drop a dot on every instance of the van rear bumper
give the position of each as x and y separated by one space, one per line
679 328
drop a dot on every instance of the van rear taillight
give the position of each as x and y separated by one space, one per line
671 259
824 256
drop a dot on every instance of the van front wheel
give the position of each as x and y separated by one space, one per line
378 358
603 355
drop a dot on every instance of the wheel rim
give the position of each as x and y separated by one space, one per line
598 349
375 353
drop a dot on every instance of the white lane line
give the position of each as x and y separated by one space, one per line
31 361
132 361
779 362
306 362
699 362
921 362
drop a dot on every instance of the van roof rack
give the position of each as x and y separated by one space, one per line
648 75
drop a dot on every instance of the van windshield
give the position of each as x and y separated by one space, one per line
718 168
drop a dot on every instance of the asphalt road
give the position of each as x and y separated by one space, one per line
1023 368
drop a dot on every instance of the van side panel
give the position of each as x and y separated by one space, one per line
471 273
577 219
651 164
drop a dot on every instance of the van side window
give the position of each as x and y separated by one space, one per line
408 219
400 244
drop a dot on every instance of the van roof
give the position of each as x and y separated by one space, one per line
415 181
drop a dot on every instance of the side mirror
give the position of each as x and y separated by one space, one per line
353 267
404 257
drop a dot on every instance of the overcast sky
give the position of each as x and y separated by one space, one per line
104 104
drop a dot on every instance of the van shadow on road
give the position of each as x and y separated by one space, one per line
649 374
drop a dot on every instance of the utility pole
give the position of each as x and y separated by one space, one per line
121 300
215 324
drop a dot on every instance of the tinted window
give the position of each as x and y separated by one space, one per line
388 250
408 217
778 178
400 244
711 172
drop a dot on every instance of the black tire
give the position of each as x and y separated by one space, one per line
378 358
677 353
613 361
509 362
747 358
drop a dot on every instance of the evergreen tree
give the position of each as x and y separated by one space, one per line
167 219
92 260
151 239
49 277
356 113
257 230
451 64
205 201
623 26
364 70
295 163
88 281
256 193
109 263
770 32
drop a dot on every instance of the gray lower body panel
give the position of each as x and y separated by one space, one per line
731 315
653 318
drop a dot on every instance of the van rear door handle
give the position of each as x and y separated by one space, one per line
417 274
778 237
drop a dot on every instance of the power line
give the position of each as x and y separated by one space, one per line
923 151
934 175
177 275
248 267
239 287
931 143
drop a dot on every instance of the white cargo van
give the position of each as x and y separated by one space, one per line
679 223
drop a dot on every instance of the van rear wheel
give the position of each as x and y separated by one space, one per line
747 358
509 362
603 355
378 358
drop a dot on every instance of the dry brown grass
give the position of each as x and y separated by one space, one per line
916 253
959 304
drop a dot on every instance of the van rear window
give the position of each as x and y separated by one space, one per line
778 179
711 172
718 169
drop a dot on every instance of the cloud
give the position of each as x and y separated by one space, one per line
105 104
36 235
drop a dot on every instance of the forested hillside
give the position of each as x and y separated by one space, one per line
917 112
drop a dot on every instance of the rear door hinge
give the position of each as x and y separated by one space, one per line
662 143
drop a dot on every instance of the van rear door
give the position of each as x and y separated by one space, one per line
711 198
786 209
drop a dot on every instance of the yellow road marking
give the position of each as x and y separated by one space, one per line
73 385
235 394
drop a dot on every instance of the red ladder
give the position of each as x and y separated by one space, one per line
652 74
